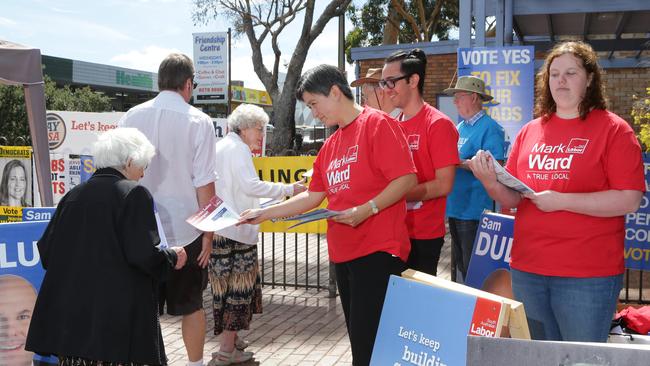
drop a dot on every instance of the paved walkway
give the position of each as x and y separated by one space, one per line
298 326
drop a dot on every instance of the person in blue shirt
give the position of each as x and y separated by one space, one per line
468 198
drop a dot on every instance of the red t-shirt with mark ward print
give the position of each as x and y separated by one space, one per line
433 140
573 156
354 165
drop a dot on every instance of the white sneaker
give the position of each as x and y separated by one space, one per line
222 358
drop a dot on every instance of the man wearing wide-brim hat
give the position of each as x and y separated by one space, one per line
374 96
468 198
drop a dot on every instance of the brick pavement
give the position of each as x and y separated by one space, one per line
298 326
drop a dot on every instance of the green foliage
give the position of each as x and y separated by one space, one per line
368 21
370 18
641 119
14 126
13 116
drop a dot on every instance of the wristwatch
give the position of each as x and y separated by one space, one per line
373 207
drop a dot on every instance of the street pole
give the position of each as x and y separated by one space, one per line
332 281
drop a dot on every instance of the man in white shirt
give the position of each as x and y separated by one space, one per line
181 179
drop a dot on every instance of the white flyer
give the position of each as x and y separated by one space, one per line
508 179
214 216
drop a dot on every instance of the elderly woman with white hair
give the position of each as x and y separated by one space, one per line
98 301
234 270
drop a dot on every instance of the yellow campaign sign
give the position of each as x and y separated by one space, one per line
287 169
11 214
16 152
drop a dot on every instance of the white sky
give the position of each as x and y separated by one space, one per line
138 34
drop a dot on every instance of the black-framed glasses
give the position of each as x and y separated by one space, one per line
194 83
389 83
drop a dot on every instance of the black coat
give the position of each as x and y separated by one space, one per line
98 299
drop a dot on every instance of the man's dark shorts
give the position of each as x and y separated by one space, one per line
183 291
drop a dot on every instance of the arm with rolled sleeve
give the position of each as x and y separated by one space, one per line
249 181
204 175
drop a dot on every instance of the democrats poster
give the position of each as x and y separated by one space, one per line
21 275
491 255
637 229
509 76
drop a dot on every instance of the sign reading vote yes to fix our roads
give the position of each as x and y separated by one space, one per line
509 76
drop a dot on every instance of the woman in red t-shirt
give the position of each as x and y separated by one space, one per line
585 166
364 170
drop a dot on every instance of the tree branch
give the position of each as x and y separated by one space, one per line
399 6
423 18
431 24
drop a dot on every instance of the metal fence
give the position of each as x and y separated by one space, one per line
295 260
636 287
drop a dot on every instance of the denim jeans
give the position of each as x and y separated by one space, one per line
463 233
567 308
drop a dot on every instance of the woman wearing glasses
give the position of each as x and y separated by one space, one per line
433 140
363 169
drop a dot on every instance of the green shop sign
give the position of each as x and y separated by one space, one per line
138 80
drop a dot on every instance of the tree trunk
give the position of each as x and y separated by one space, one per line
391 28
284 119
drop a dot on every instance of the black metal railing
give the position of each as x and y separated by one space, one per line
293 260
636 287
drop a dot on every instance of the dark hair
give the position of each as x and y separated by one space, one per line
412 62
594 96
320 79
4 184
174 71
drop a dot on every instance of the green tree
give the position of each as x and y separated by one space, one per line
378 22
641 119
14 126
263 21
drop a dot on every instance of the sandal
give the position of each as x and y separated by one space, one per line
241 344
222 358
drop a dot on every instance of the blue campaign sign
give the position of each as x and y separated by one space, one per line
21 275
422 325
509 76
18 252
38 213
492 247
87 167
637 229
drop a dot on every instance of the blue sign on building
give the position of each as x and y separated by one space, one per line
509 76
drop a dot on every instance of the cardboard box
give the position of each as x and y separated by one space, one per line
426 320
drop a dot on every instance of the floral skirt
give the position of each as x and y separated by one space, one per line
78 361
236 285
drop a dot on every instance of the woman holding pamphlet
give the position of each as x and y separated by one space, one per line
98 303
233 269
585 168
364 170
